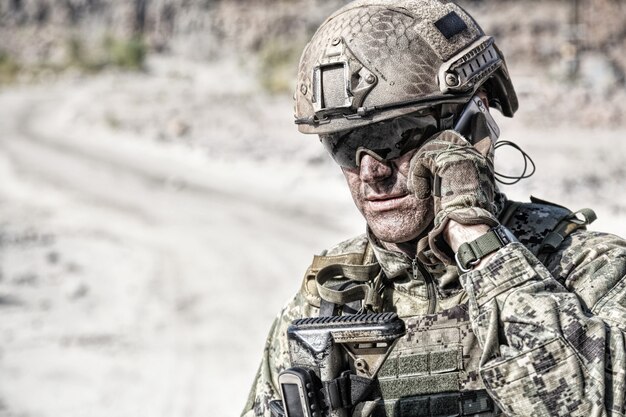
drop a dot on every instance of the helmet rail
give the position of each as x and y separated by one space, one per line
373 60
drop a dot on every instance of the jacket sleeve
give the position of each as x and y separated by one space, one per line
553 337
275 359
263 388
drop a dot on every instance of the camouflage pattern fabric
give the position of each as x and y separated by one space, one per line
464 185
545 350
532 222
394 39
550 338
438 354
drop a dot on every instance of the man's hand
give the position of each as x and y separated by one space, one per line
463 188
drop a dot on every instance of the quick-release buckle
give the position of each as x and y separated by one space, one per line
471 253
504 235
470 265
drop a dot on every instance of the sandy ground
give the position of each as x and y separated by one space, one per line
151 225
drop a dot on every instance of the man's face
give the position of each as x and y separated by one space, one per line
380 192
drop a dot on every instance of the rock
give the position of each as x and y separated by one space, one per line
177 127
76 289
25 279
53 257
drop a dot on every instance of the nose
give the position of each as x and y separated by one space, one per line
372 170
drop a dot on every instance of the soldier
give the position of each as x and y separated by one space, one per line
510 308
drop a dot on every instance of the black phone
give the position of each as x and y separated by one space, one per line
464 123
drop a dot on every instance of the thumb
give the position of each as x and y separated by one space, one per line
485 147
419 178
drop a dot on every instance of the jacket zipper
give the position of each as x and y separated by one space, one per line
430 285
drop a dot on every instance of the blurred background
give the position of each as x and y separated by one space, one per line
158 206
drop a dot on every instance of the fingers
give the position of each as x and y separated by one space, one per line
448 139
427 159
485 147
446 149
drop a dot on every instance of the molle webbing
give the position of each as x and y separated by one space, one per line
467 403
434 369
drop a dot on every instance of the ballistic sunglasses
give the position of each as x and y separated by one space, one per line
384 140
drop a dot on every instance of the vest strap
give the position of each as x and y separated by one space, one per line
347 390
471 253
367 281
542 226
309 285
565 227
465 403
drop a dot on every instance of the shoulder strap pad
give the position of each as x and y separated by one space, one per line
542 226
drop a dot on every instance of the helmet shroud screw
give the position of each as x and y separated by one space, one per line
452 80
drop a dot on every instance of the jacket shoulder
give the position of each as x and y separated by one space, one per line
357 244
540 225
353 251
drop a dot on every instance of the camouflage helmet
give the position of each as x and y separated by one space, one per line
374 60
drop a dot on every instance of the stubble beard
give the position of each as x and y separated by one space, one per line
402 225
407 223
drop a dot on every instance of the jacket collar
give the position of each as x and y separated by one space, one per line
399 269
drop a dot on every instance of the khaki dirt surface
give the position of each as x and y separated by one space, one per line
153 223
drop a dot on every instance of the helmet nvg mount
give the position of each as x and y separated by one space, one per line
373 60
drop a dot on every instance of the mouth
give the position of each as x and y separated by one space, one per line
386 202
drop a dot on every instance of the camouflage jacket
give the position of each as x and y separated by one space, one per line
544 338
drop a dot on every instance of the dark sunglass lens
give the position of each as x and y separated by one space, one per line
340 150
388 139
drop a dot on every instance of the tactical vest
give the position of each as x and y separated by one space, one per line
433 370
